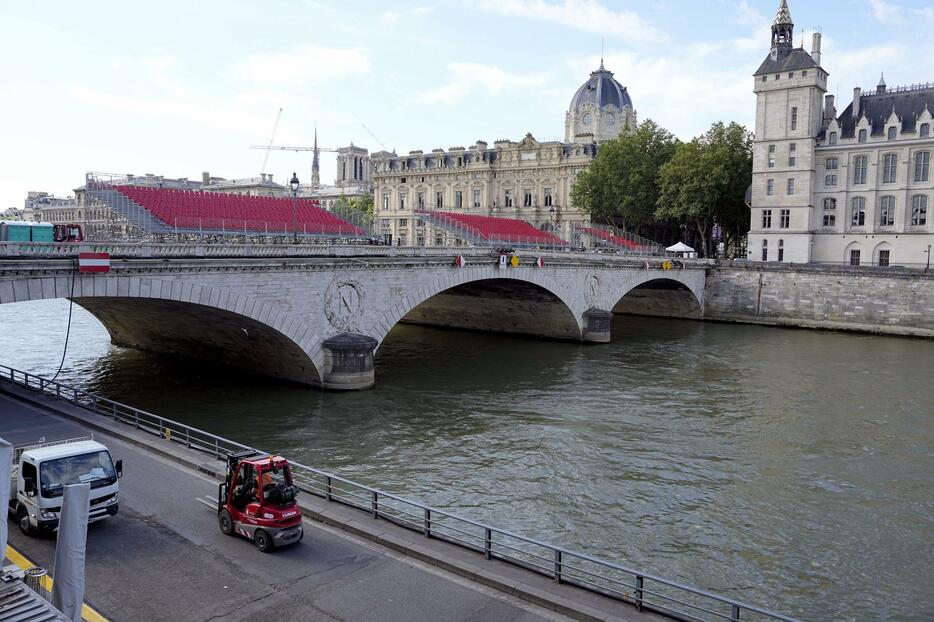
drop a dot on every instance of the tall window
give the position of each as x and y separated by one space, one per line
858 218
527 198
831 164
507 198
833 138
439 199
549 200
919 210
794 118
854 257
476 197
766 219
784 219
887 212
792 154
884 258
859 169
893 131
830 180
458 199
401 200
863 135
771 156
770 187
925 130
922 165
890 168
385 201
765 250
781 250
420 199
830 203
791 185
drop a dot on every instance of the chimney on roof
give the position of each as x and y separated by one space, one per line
205 178
857 94
830 111
815 48
262 176
269 177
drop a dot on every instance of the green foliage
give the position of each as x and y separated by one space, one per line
620 186
358 209
705 182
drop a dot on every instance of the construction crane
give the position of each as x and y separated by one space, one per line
289 148
271 139
370 132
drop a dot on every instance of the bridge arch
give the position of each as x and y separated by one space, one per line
521 300
180 318
669 294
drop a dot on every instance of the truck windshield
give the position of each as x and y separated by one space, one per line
95 468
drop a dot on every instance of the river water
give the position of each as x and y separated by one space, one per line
791 469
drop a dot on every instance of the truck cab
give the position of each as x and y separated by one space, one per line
41 472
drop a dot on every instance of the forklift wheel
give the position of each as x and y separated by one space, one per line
263 541
225 522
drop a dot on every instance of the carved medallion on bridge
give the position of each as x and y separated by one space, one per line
591 288
343 303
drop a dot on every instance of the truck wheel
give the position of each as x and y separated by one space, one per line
263 541
225 522
22 518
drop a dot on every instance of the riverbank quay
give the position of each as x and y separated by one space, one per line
487 565
869 299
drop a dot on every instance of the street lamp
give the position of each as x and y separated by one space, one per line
553 214
293 183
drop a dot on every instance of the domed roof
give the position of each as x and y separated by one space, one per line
601 90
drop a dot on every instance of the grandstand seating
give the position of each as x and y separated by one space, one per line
610 238
487 229
214 211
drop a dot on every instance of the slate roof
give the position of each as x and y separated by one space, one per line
877 107
601 90
787 60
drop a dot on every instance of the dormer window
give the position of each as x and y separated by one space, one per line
791 75
804 73
833 138
893 131
777 77
925 130
863 135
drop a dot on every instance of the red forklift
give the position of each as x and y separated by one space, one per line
256 500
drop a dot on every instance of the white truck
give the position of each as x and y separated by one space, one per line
42 470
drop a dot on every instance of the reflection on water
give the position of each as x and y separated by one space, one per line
792 469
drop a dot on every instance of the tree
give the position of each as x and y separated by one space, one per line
705 182
620 185
357 209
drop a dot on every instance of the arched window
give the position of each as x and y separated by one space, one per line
765 250
781 250
919 210
858 212
893 131
922 165
863 135
833 138
887 211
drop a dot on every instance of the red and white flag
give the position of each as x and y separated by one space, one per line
460 261
94 262
540 262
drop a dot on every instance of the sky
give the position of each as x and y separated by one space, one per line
176 88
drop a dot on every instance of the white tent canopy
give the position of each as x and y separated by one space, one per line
680 247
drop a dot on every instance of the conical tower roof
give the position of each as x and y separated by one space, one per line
784 15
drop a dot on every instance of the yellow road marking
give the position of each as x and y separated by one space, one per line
21 561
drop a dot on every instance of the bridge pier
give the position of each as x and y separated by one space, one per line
348 362
597 324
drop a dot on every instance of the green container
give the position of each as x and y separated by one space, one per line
15 231
42 232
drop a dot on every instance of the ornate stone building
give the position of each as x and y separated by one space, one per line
854 187
527 180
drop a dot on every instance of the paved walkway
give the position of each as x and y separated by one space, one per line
163 557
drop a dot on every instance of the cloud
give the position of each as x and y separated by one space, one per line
466 78
390 18
586 15
885 12
305 64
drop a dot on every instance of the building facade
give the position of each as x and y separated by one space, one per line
526 180
854 187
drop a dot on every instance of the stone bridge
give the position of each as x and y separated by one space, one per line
316 316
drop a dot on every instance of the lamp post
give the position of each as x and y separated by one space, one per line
553 215
928 266
293 183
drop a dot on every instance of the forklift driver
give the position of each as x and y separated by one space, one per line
245 492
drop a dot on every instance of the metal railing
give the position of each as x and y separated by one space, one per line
635 587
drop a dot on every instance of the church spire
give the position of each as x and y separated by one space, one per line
315 172
783 29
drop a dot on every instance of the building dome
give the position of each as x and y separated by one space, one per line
601 109
600 91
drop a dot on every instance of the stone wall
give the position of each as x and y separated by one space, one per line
878 300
